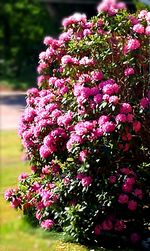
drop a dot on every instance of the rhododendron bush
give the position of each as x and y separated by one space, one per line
85 129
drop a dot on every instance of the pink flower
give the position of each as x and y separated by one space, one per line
83 155
144 103
59 83
130 181
125 170
135 237
8 193
126 108
66 181
138 192
116 88
97 75
38 215
67 59
33 92
105 97
113 100
132 205
97 229
47 224
75 18
46 170
40 205
48 140
132 44
46 194
83 78
48 203
138 28
136 126
133 20
110 89
48 40
129 118
108 127
112 179
74 139
80 176
87 32
119 225
36 186
94 91
121 5
147 30
22 176
97 98
142 14
98 132
126 137
86 61
103 119
50 52
81 129
126 147
127 188
123 199
41 67
15 202
128 71
121 118
107 89
110 6
100 22
107 225
42 55
100 31
66 36
42 79
55 169
64 90
45 151
147 17
29 114
55 113
65 120
86 181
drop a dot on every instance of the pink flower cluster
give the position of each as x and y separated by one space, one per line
47 224
10 195
130 193
85 180
109 224
145 102
111 6
131 45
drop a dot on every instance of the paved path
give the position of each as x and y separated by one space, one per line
11 107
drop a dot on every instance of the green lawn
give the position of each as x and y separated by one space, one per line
16 233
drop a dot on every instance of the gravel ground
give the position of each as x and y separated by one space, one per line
11 107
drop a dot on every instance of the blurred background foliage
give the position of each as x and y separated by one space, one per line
24 23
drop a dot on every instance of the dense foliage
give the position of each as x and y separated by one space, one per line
23 25
86 129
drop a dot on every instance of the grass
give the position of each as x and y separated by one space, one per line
16 233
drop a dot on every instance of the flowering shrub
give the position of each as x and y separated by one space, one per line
86 129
